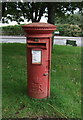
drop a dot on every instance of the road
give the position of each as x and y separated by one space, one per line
59 40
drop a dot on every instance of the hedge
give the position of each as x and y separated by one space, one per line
64 30
70 30
13 30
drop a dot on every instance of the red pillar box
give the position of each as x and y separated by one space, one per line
39 43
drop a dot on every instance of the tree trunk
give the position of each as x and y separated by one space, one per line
51 13
3 8
0 11
51 16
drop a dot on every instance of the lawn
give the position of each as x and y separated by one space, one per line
65 99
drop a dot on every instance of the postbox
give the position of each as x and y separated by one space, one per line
39 44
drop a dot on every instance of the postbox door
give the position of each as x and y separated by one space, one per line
38 73
39 68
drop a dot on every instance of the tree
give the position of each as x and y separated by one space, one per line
18 11
51 12
69 19
59 9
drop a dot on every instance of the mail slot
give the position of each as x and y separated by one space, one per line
39 44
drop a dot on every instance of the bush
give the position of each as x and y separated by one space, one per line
81 26
65 30
13 30
70 30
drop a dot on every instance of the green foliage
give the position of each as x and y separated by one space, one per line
18 11
65 30
74 19
65 96
81 26
70 30
13 30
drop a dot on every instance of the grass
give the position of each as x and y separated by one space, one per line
65 100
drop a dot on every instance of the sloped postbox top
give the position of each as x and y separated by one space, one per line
39 29
39 25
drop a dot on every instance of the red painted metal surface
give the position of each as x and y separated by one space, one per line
39 42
